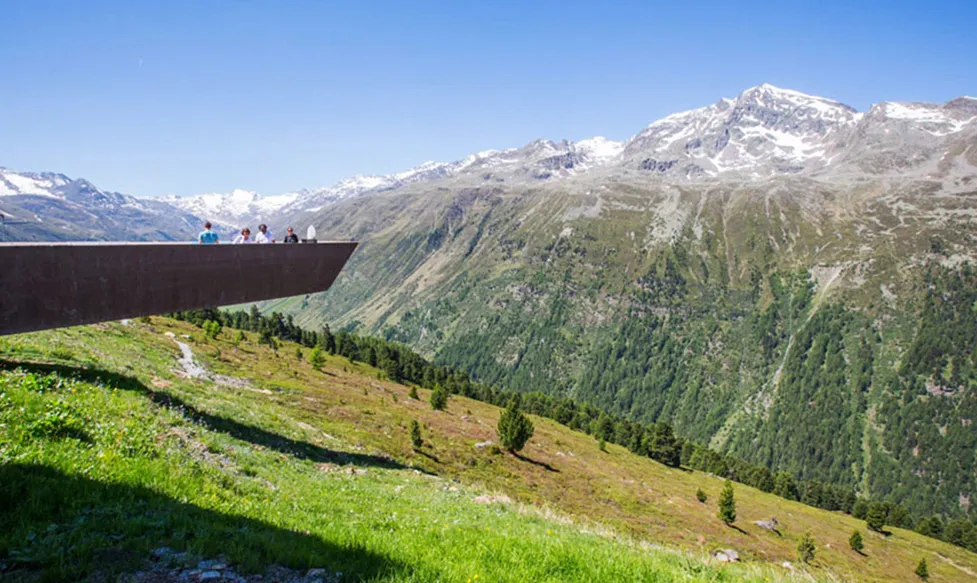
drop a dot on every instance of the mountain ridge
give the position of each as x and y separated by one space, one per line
763 132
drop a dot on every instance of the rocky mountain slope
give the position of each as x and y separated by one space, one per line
764 273
48 206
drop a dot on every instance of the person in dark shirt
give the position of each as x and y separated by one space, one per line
291 237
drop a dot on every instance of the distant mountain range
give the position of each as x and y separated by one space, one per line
53 207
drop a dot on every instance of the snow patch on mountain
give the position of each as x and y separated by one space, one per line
29 183
232 209
600 149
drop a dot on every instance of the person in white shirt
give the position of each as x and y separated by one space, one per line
264 235
244 238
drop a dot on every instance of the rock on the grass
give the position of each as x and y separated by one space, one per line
211 565
726 556
210 576
482 444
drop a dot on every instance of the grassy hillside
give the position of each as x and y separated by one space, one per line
769 320
108 449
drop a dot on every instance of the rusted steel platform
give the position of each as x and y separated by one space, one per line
51 285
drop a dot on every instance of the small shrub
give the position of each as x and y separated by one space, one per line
212 329
806 548
855 542
439 398
701 496
62 353
415 434
413 393
602 445
239 337
922 571
298 354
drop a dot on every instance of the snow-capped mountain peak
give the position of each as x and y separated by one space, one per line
764 130
600 149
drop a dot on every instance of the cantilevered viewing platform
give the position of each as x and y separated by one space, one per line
51 285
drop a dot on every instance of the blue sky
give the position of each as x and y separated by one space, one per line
181 97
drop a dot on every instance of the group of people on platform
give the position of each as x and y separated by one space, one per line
210 237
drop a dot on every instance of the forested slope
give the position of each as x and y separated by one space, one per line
771 321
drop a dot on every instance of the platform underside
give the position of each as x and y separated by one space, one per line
51 285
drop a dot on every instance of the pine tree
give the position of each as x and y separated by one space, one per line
602 445
327 340
855 542
806 548
727 504
413 393
663 447
267 339
514 428
316 357
701 496
922 571
415 434
875 519
439 398
603 428
785 487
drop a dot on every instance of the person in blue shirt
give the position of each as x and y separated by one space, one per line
207 236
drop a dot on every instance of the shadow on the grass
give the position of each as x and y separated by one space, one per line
540 464
56 526
236 429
